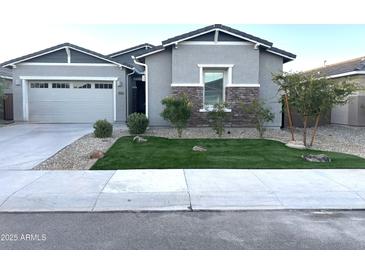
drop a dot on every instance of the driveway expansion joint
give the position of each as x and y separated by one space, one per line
190 207
101 190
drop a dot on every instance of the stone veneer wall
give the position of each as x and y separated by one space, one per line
235 96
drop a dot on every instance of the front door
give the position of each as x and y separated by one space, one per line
141 97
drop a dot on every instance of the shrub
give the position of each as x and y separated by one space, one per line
103 129
260 115
177 111
137 123
218 117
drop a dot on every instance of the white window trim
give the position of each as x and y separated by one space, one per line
217 66
25 91
208 108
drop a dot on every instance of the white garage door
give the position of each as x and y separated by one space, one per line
70 101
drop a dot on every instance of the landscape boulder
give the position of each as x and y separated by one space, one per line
97 154
296 144
319 158
199 149
139 139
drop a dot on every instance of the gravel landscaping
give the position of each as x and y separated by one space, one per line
331 138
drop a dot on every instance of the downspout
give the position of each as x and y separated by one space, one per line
146 80
127 98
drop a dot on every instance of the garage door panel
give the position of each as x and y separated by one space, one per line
70 105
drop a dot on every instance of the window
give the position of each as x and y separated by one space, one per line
60 85
213 87
38 85
82 85
104 85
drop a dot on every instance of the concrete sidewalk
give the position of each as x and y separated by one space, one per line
184 190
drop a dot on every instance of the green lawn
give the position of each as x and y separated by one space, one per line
222 153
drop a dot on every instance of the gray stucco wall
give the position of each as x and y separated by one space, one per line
159 84
185 59
69 71
270 64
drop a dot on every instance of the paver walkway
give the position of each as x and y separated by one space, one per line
159 190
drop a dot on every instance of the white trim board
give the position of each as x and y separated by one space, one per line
351 73
68 64
150 53
280 54
243 85
68 78
69 57
215 65
125 52
212 43
215 29
186 85
6 77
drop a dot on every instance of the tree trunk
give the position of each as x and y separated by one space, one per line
289 117
305 130
315 129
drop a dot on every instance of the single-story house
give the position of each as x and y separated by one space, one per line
6 79
352 113
71 84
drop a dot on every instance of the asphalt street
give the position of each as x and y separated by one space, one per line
184 230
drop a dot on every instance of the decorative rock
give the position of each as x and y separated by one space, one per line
319 158
139 139
97 154
199 149
296 144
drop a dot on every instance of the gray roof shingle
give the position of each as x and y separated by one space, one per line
4 72
356 64
128 50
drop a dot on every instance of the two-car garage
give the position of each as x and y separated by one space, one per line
62 101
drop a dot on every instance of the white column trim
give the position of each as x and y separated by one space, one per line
25 100
115 100
68 55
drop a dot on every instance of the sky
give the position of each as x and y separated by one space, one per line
313 44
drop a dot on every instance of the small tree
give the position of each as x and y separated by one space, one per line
177 111
218 117
312 96
260 115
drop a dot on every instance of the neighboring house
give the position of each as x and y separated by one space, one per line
67 83
352 113
6 78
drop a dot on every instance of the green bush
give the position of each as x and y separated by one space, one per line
103 129
137 123
218 117
259 115
177 111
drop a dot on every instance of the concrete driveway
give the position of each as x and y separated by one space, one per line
23 146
